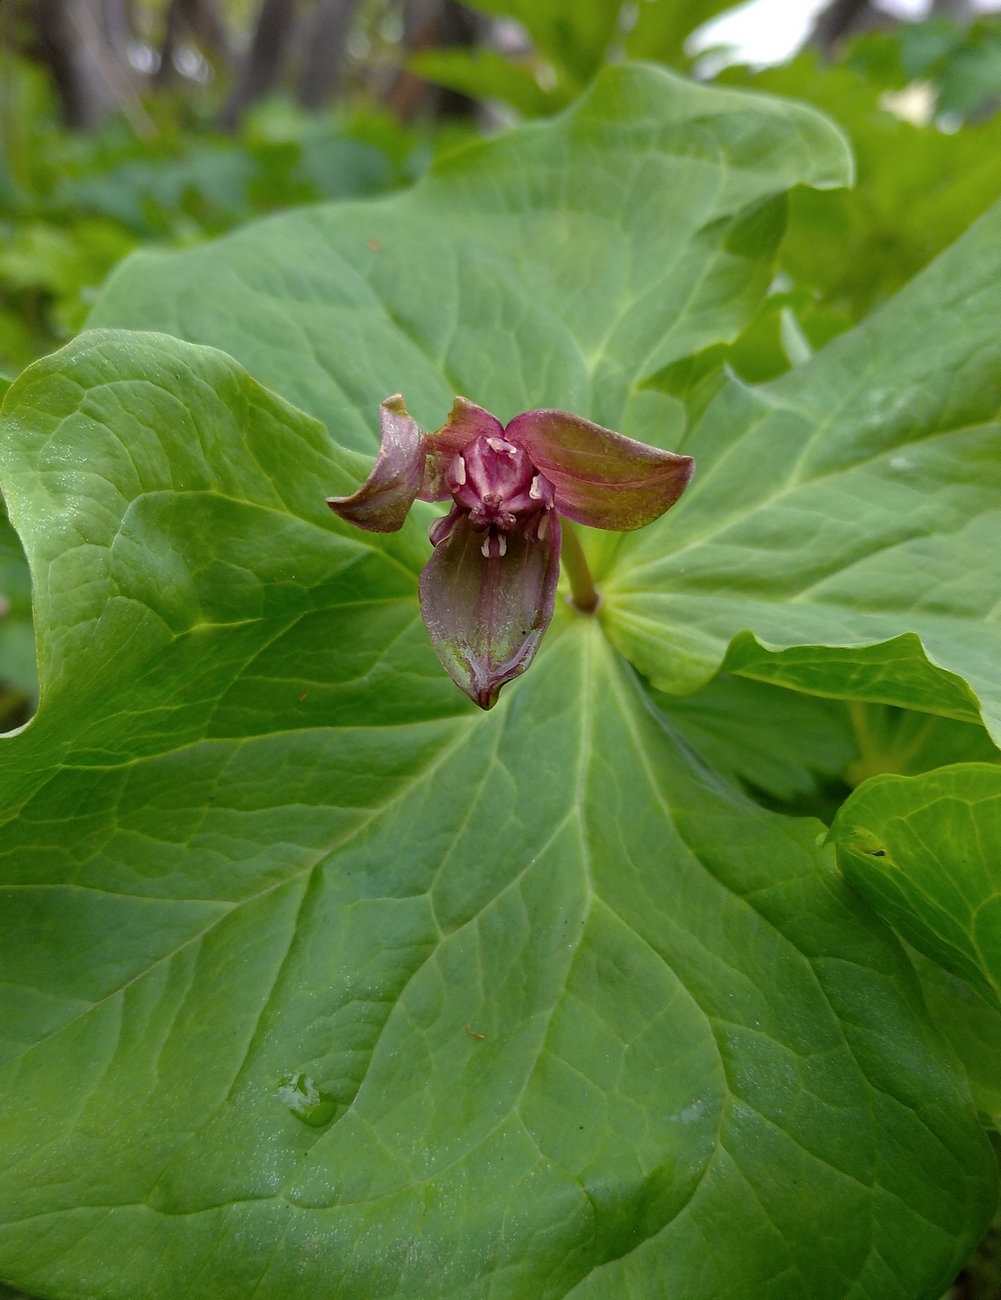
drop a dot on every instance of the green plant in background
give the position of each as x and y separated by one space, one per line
918 189
564 1011
72 205
569 45
845 251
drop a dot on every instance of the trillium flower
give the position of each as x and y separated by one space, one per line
488 591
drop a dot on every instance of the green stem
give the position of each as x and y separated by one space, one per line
583 592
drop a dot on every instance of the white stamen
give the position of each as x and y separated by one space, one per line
534 492
502 545
498 444
459 470
543 528
485 548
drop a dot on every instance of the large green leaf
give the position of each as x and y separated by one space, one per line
17 642
562 264
972 1027
573 40
845 514
574 1016
925 851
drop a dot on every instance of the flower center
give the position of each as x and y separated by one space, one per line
496 484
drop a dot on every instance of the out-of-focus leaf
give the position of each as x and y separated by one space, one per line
18 670
781 743
961 61
574 36
485 74
69 264
574 41
907 743
663 26
918 189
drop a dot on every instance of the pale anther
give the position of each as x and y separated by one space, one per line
534 491
543 528
502 544
460 471
498 444
485 548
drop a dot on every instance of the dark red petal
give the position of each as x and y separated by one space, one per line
465 422
486 616
601 478
383 501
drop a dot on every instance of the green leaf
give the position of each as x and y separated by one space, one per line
972 1028
573 40
669 192
908 743
918 188
663 26
17 640
843 514
780 743
17 637
923 851
575 37
485 74
590 1023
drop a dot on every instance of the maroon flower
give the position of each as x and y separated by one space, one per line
489 589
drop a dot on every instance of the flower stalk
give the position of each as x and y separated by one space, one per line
583 593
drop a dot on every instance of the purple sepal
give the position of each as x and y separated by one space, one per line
465 422
602 479
486 608
383 501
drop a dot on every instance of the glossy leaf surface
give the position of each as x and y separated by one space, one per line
838 535
587 1020
845 514
973 1029
316 980
925 851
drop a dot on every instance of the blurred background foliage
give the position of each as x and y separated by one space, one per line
169 121
128 121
